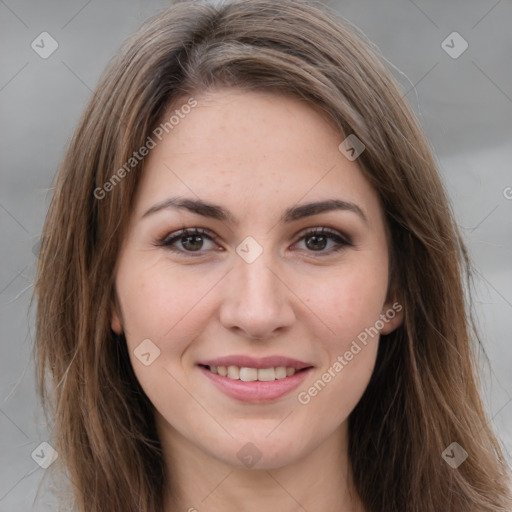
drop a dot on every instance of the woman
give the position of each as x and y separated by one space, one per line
251 287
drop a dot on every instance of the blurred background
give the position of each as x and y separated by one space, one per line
454 62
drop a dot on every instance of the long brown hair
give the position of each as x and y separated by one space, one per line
424 393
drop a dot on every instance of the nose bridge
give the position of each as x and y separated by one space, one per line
256 301
259 286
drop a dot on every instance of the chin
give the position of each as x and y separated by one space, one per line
260 452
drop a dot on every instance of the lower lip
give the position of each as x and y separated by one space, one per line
256 391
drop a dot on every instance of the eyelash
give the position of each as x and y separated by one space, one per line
172 238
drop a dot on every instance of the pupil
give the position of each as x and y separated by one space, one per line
317 240
196 239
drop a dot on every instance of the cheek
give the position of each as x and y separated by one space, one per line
158 299
159 303
351 308
349 304
349 301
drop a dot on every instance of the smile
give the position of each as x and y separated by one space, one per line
261 382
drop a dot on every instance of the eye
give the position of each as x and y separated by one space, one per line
191 240
316 240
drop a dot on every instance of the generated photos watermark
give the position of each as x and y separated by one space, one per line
143 151
304 397
454 455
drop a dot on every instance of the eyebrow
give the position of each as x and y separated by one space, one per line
218 212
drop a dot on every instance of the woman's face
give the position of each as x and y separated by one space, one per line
255 288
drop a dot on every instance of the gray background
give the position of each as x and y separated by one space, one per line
464 104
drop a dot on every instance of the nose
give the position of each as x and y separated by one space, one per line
256 300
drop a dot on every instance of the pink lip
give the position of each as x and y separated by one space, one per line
252 362
256 391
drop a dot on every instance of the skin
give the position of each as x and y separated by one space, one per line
255 154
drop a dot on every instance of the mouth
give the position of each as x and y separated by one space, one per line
253 380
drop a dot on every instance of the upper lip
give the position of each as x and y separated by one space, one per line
256 362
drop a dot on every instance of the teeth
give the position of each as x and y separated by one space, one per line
251 374
266 374
281 372
233 372
248 374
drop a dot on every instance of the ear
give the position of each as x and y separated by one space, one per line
392 316
116 323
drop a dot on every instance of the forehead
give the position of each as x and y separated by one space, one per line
250 148
234 126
